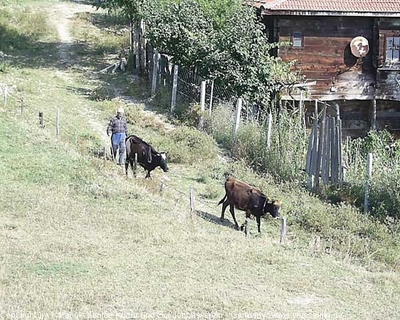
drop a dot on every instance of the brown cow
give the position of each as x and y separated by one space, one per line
244 197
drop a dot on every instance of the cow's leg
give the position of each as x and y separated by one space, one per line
134 167
224 205
127 161
232 210
258 219
244 226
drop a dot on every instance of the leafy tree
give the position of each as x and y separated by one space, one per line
233 50
246 65
181 29
219 10
131 9
218 39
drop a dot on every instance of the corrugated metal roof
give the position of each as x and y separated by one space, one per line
344 6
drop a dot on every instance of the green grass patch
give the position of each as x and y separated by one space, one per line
54 269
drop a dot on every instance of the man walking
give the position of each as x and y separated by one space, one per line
118 130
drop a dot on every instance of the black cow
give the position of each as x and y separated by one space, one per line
244 197
145 155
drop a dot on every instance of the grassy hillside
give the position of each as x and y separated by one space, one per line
80 240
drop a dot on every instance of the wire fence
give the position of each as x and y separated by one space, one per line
185 88
188 83
53 122
206 210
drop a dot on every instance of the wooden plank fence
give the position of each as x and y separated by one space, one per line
324 156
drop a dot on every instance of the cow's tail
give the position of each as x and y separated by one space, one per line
222 200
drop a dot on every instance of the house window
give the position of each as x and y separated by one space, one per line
392 49
297 39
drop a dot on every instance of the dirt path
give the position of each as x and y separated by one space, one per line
60 17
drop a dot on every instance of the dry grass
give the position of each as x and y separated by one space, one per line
80 241
110 249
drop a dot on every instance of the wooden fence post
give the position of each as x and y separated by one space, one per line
341 174
373 122
368 182
333 149
211 96
237 121
326 153
137 47
192 200
237 115
283 230
320 148
174 88
5 95
131 39
313 149
336 153
269 130
156 58
142 46
58 124
301 104
41 120
202 104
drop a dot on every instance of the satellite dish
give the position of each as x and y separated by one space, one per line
359 47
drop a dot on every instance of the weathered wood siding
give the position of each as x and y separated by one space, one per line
388 74
366 89
388 116
326 57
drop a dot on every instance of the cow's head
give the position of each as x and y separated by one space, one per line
273 207
163 161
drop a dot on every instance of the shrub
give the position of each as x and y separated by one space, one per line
102 92
286 156
383 196
190 146
221 125
162 99
188 115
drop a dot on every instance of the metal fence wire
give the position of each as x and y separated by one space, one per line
220 95
188 82
189 86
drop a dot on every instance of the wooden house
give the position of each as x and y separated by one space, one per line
348 50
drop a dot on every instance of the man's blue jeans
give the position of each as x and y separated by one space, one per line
118 144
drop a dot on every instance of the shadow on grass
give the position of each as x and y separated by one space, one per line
214 219
42 55
90 2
